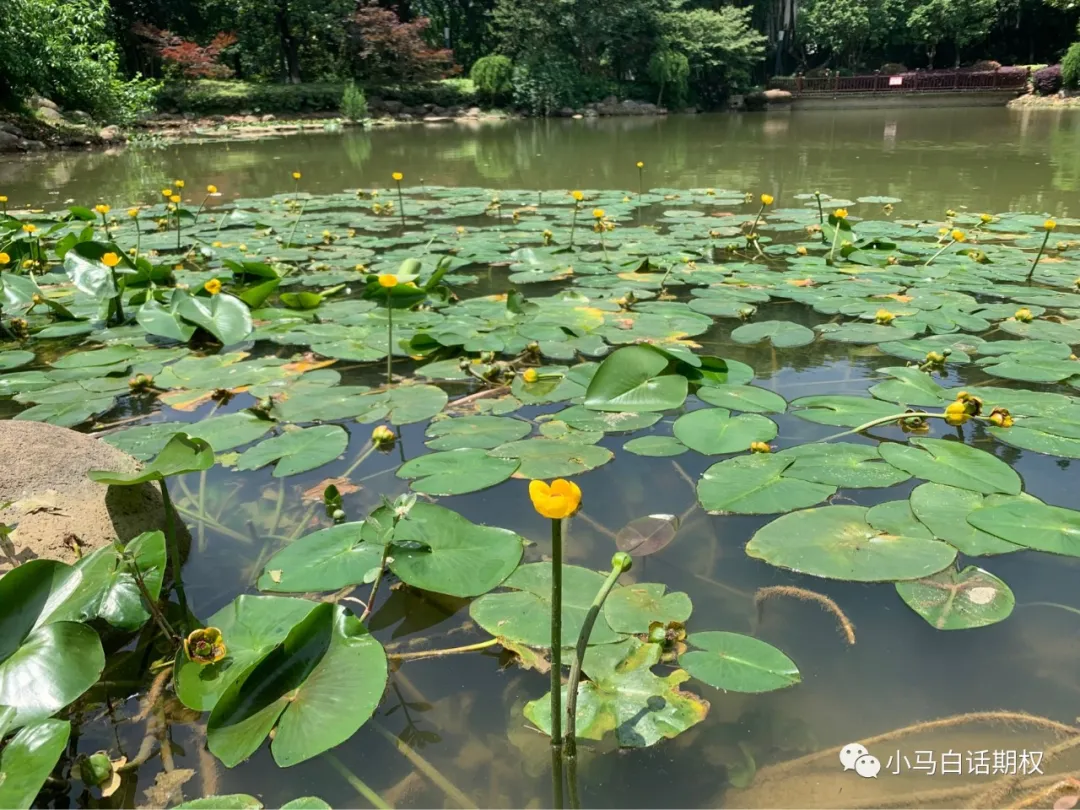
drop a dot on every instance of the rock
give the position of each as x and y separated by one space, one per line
440 111
404 116
40 102
53 501
736 102
778 97
268 117
437 119
393 107
48 114
112 134
590 112
32 146
577 116
7 126
566 112
473 112
80 117
9 142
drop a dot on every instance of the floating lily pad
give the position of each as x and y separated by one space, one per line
782 334
842 464
944 511
455 472
755 485
553 458
483 432
842 410
631 379
1033 525
633 608
581 418
655 446
713 431
403 405
1038 441
840 542
738 663
297 451
959 600
742 398
953 463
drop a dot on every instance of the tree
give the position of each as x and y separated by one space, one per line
961 22
385 50
721 47
186 57
668 67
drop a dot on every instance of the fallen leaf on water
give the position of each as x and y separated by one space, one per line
315 494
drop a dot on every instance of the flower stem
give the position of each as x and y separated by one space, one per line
753 228
480 645
378 581
1042 247
389 340
949 245
556 633
373 798
835 239
174 553
426 768
292 233
820 212
556 779
579 653
884 420
151 605
401 205
573 223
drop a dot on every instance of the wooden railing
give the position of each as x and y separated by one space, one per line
938 81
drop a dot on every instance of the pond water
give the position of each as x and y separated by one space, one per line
463 713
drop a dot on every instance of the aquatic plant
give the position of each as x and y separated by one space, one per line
107 313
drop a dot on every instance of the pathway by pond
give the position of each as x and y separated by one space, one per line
987 159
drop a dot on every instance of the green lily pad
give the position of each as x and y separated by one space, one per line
14 359
28 759
296 451
755 485
738 663
581 418
553 458
314 691
747 398
782 334
181 454
224 316
326 560
655 446
841 542
624 696
523 614
100 357
959 600
944 511
953 463
631 379
403 405
483 432
233 801
633 608
1032 525
842 410
455 472
842 464
1038 441
222 433
713 431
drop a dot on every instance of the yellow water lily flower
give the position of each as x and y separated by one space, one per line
213 286
296 175
205 646
398 177
530 375
110 259
760 447
1001 418
801 250
29 227
3 198
884 317
382 435
133 212
558 500
577 195
958 235
4 259
956 413
766 199
950 213
1049 224
166 193
984 218
640 164
211 189
102 208
178 183
840 213
215 244
1023 315
175 198
388 280
598 213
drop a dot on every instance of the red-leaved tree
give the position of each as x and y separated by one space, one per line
385 50
186 57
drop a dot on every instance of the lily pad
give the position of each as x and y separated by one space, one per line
633 608
655 446
631 379
624 696
840 542
1032 525
738 663
944 511
782 334
953 463
28 759
296 451
747 398
755 485
483 432
455 472
959 600
553 458
842 464
647 535
842 410
713 431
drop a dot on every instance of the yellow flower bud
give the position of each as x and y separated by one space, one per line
956 413
110 259
766 199
530 375
398 176
1049 224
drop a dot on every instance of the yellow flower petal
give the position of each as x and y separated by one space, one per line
388 280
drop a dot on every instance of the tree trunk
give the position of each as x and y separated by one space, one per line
290 48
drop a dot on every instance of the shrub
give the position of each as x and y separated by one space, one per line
893 68
184 57
384 49
1070 67
1047 81
546 83
986 65
493 77
353 102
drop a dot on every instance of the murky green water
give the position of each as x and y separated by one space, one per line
465 714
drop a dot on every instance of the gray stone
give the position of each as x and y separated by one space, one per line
40 102
111 134
473 112
48 114
9 142
393 107
32 146
437 119
80 117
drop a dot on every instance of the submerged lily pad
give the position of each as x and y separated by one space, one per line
959 600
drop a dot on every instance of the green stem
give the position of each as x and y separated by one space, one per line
401 205
467 648
1042 247
119 299
556 779
138 239
203 203
820 211
835 239
174 552
621 562
389 340
949 245
640 182
426 768
375 585
572 781
373 798
753 228
292 233
884 420
556 633
151 605
603 244
573 223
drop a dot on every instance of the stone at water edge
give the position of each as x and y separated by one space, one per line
43 477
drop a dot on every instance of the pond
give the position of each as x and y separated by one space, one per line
640 343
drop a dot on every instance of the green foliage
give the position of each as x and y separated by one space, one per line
721 46
1070 67
353 102
669 70
544 84
493 77
937 21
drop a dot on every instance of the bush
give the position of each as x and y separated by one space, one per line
1070 67
1047 81
893 68
385 49
986 65
545 84
493 78
353 102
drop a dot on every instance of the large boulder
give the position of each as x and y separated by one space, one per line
46 494
10 142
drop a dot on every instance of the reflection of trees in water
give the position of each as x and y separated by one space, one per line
1065 151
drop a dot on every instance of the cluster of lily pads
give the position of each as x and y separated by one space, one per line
254 303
